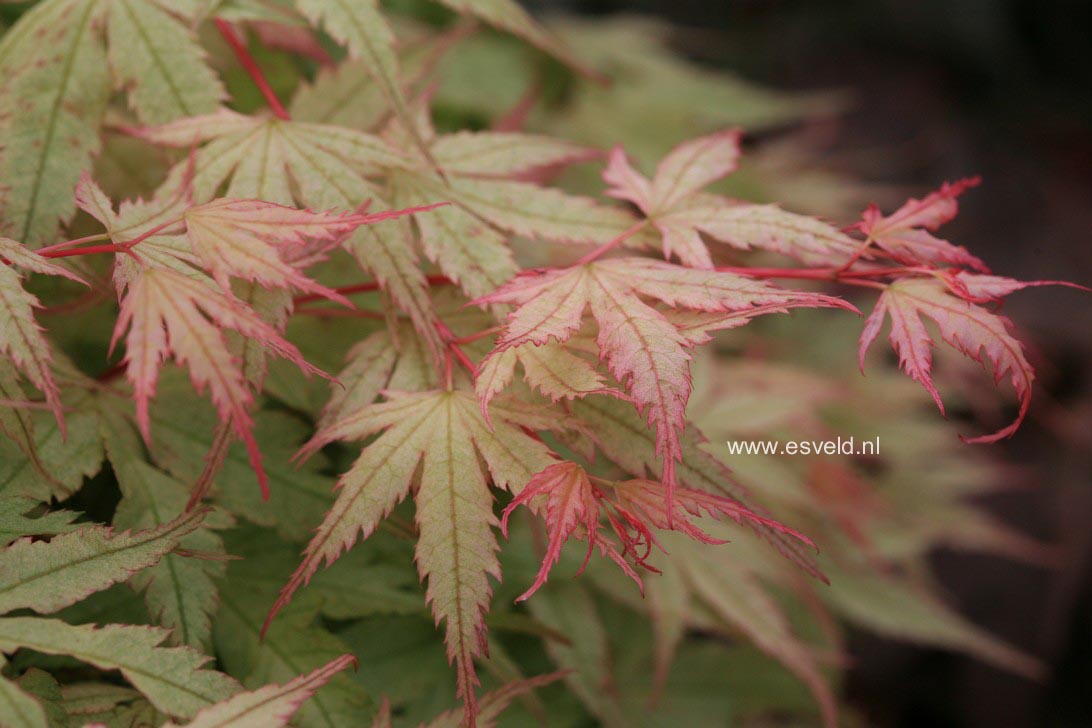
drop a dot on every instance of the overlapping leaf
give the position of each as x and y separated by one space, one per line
642 347
269 707
442 433
625 440
180 590
57 71
314 165
21 338
550 368
172 678
573 507
47 576
296 644
16 523
171 308
365 31
970 329
906 233
674 203
733 593
20 707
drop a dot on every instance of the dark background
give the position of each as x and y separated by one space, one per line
943 89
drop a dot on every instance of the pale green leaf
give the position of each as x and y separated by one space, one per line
292 646
468 251
732 592
56 77
441 433
509 15
70 459
156 57
47 691
91 698
47 576
19 708
18 422
545 213
170 677
456 547
368 370
895 608
15 523
269 707
570 610
504 154
184 426
347 94
181 592
360 25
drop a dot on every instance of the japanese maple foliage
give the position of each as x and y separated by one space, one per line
255 248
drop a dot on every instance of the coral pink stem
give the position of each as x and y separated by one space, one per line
612 244
368 287
252 68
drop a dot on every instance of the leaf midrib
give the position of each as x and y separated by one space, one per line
51 126
136 543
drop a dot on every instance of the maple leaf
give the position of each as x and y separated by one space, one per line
673 202
970 329
315 165
550 368
642 347
689 168
21 338
165 313
172 678
251 239
271 706
252 155
181 591
442 433
906 233
482 174
46 576
154 56
621 436
170 307
15 523
362 27
573 506
70 458
978 288
469 240
298 643
698 581
57 64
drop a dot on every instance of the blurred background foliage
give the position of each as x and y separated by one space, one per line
843 103
930 90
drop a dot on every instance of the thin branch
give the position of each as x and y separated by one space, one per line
369 287
612 244
73 243
252 68
124 247
338 313
479 335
